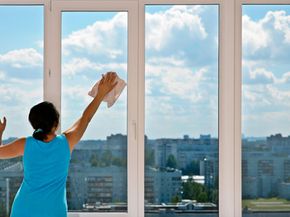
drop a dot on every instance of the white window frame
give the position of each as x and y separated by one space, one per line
238 92
52 76
99 6
230 47
227 187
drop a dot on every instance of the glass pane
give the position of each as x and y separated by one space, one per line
94 43
265 110
181 124
21 86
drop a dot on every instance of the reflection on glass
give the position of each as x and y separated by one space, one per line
21 86
181 125
265 116
94 43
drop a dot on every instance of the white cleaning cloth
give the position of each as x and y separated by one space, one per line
113 95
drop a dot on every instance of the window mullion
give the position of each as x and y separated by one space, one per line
52 53
133 121
226 111
141 110
238 113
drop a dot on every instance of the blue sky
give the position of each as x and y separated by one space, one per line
266 67
181 68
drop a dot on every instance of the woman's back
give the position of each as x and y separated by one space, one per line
43 190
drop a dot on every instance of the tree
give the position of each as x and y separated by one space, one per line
202 197
117 161
149 157
195 191
2 209
171 161
175 199
107 158
191 169
94 160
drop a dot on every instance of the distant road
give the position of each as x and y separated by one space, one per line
172 214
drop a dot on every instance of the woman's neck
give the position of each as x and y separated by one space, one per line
50 137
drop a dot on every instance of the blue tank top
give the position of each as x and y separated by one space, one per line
43 189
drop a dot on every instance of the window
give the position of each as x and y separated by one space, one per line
98 170
181 109
265 117
205 108
21 85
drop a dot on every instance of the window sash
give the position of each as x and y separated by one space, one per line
131 8
238 93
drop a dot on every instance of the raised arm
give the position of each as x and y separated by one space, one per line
75 133
13 149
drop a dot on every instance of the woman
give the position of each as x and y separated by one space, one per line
46 156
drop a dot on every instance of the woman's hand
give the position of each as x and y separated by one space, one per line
2 125
107 84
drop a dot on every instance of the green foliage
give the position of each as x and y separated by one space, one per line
270 204
107 159
191 169
214 196
192 190
171 161
149 158
2 209
94 160
202 197
198 192
119 162
175 199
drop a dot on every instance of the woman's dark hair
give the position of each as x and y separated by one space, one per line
43 117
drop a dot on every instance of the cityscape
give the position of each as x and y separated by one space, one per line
181 176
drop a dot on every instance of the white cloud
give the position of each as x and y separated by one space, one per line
2 75
266 96
261 75
171 60
77 65
281 23
100 37
16 101
249 96
21 58
285 78
149 83
76 93
184 83
263 97
254 35
267 106
160 106
80 65
161 25
176 81
255 74
255 96
40 44
270 33
278 95
19 91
